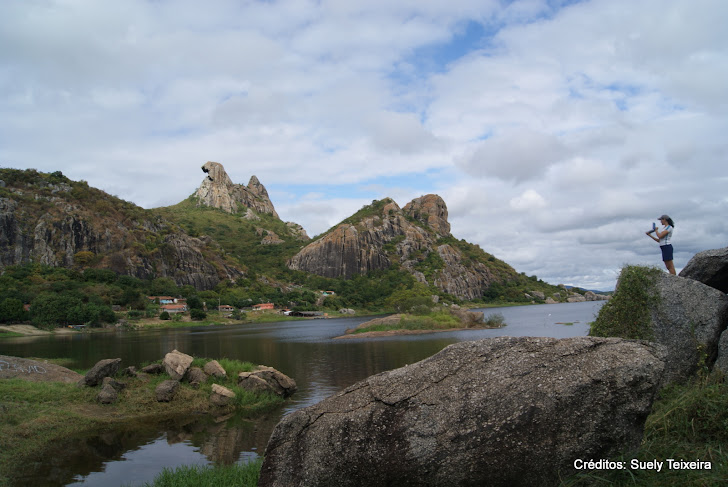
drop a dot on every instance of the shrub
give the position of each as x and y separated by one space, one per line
164 315
627 314
197 314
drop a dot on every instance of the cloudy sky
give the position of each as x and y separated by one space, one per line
556 131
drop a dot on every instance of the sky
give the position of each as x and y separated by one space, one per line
556 131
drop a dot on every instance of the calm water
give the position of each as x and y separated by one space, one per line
304 350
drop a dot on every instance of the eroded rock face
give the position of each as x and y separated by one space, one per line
688 321
709 267
389 236
69 226
430 210
218 190
503 411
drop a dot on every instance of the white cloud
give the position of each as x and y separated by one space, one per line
554 137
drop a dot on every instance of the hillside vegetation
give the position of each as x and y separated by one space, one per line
100 256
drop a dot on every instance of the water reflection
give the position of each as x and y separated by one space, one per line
303 350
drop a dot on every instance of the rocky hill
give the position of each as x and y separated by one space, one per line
415 238
49 219
225 231
218 191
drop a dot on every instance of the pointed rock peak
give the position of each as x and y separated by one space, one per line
216 173
257 188
430 210
218 190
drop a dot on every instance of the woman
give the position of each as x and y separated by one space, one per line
663 238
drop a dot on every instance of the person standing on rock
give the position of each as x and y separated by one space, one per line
663 237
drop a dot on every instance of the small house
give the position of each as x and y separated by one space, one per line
263 306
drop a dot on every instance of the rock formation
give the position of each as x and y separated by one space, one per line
218 190
55 224
503 411
267 379
688 320
416 237
709 267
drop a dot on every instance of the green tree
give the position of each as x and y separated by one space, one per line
11 311
197 314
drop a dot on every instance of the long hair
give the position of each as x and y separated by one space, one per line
670 222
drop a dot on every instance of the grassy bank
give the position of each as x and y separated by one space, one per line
209 476
441 319
37 414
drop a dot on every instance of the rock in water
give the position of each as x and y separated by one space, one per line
503 411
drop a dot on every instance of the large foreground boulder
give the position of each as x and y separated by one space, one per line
688 319
709 267
35 371
502 411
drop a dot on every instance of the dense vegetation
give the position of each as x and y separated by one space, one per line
627 314
93 289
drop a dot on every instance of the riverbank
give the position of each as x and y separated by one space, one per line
439 320
38 415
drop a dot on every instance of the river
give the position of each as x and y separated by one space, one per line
304 350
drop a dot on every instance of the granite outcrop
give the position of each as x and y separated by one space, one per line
502 411
218 190
416 237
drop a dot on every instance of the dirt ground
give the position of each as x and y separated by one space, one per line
31 330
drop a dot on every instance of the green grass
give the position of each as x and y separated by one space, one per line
9 334
235 475
687 422
36 414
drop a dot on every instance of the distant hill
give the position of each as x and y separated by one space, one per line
49 219
230 233
415 238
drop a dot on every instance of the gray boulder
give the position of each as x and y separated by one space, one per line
103 368
221 396
721 363
177 364
153 369
196 376
36 371
688 321
107 395
277 382
214 369
110 389
502 411
709 267
166 390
